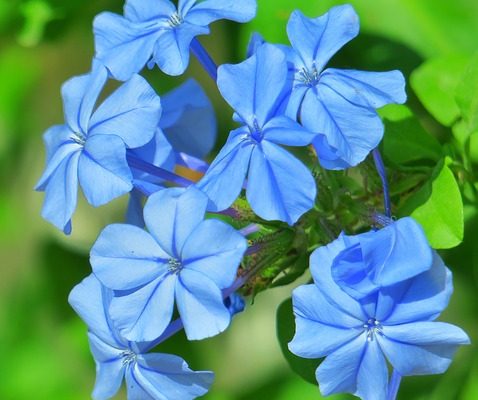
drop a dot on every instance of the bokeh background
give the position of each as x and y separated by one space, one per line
43 347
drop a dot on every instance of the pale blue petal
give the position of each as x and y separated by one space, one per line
80 95
224 179
372 377
367 89
126 257
172 214
169 377
283 130
143 315
327 155
316 318
206 12
63 152
214 249
90 301
422 348
146 10
293 103
354 131
171 51
254 87
338 372
317 40
54 137
109 368
321 262
134 388
132 112
200 305
279 186
255 42
123 46
188 120
61 193
421 298
185 5
103 171
134 212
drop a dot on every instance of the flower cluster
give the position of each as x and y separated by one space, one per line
374 294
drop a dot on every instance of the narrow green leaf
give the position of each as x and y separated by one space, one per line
438 207
285 325
435 82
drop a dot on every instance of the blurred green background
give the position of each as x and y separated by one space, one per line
43 346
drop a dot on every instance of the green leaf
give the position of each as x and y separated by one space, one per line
438 207
467 95
435 82
405 140
285 332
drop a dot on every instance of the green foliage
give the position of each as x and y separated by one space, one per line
438 207
467 95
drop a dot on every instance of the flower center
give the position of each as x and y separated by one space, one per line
309 78
372 327
79 138
256 132
174 266
128 357
175 20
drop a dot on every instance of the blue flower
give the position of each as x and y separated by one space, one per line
90 149
183 258
279 187
339 104
148 376
157 30
356 336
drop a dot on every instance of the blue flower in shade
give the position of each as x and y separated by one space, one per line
394 323
279 187
339 104
183 258
148 376
90 149
159 31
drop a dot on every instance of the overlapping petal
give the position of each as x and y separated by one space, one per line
144 10
206 12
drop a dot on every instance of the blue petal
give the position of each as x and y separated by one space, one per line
126 257
422 297
316 318
387 251
279 186
61 193
224 179
54 137
255 42
200 305
172 214
66 148
254 87
327 155
188 120
214 249
372 377
171 51
317 40
110 369
134 387
421 348
146 10
367 89
169 377
143 315
354 131
123 46
103 171
205 12
321 262
283 130
338 372
90 299
80 95
132 112
134 212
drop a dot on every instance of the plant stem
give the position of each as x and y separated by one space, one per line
204 58
383 177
